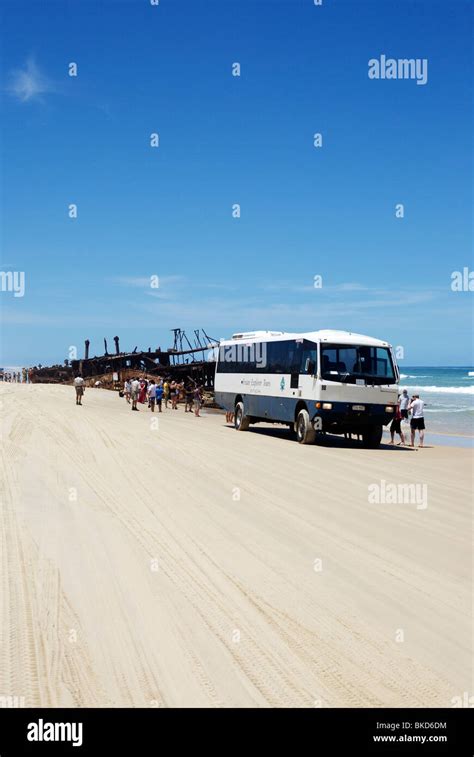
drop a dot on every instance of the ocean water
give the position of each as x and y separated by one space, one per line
448 394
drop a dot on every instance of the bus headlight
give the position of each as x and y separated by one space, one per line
389 409
327 406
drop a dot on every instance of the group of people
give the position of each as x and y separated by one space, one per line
11 377
412 407
154 393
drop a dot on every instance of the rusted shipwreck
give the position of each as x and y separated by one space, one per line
183 361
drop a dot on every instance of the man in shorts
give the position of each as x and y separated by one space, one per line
417 422
127 388
395 427
404 402
79 386
134 393
151 395
159 395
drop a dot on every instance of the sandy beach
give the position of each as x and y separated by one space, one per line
190 565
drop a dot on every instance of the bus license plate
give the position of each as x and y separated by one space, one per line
358 407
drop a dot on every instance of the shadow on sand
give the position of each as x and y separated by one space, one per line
325 440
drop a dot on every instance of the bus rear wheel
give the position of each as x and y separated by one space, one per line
372 437
241 421
304 432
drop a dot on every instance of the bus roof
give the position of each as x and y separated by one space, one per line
331 336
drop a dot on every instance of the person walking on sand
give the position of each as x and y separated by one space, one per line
395 426
174 395
79 386
404 402
127 390
166 392
177 393
197 400
417 422
159 395
134 393
188 397
151 395
142 391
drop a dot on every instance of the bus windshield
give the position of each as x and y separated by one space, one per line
351 363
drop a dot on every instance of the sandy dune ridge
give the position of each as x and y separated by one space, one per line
190 565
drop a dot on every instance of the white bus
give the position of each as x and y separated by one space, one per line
320 381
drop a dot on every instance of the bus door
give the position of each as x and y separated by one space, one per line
295 364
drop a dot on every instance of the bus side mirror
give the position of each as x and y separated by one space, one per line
309 366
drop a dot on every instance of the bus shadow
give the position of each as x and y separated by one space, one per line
326 440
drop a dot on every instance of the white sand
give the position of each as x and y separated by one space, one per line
133 575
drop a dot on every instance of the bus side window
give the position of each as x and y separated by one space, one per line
280 357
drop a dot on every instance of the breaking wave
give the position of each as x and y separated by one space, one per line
449 410
444 389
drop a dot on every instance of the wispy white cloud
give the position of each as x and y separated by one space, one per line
185 303
145 281
132 281
349 287
20 317
29 82
231 311
216 285
290 286
225 312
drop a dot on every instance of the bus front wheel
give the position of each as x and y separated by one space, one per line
304 433
372 437
241 421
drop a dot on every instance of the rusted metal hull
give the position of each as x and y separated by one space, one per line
112 370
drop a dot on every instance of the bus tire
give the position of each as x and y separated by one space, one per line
304 432
241 421
372 437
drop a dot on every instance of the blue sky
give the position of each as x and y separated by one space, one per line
167 211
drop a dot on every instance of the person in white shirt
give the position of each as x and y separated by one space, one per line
127 388
79 386
135 389
404 402
417 422
151 392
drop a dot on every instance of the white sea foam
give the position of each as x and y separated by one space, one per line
444 389
470 373
452 410
448 406
409 375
